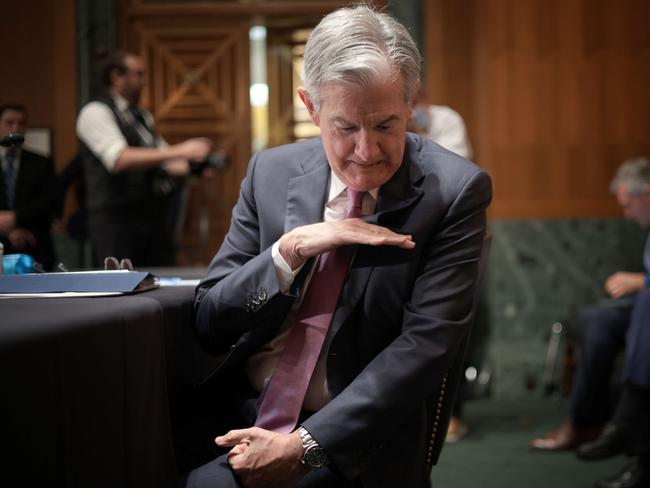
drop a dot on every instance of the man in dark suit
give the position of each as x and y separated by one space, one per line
606 329
27 193
629 429
405 302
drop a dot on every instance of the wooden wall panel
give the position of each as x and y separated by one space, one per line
554 94
198 84
38 43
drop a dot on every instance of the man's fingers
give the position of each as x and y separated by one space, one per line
234 437
237 450
361 232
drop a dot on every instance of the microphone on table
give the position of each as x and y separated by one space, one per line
12 140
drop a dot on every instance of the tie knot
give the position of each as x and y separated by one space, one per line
355 199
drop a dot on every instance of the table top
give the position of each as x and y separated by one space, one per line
25 319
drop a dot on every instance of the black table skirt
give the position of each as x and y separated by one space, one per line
86 386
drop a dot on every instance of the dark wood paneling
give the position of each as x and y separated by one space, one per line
39 69
198 72
554 94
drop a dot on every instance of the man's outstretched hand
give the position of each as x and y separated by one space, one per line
302 243
264 459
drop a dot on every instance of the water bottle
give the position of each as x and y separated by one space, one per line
18 264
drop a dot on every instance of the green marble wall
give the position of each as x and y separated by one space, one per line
541 272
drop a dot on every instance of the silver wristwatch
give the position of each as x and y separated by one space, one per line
314 456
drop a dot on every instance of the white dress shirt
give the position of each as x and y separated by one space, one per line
97 128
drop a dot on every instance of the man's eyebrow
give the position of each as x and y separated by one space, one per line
390 118
341 120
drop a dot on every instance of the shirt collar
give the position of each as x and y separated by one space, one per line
337 187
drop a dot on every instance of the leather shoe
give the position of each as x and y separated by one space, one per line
567 436
610 443
632 476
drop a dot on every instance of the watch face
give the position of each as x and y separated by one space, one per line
315 457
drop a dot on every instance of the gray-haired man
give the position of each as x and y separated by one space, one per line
404 308
605 330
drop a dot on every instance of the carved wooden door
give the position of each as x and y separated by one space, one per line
198 85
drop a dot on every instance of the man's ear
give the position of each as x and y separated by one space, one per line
309 103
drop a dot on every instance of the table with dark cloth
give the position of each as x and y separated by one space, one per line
87 384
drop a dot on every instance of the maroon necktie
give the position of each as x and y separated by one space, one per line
281 400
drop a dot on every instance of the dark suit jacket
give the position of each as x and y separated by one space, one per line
34 203
402 316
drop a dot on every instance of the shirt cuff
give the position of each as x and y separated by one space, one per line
282 270
646 280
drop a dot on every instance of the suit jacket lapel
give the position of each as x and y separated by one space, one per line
307 193
399 193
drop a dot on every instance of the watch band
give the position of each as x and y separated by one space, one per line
313 456
306 438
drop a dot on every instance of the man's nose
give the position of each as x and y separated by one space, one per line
367 147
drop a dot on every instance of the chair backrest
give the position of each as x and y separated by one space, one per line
441 402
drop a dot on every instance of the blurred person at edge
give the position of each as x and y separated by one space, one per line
605 330
130 171
27 193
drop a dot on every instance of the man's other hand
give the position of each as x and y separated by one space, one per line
196 149
264 459
307 241
21 239
178 167
7 221
622 283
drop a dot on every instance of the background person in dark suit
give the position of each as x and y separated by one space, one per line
27 193
629 429
405 305
606 329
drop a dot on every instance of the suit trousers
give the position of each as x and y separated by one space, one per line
637 351
227 402
139 235
217 474
602 335
605 330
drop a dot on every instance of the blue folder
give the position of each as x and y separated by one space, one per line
82 281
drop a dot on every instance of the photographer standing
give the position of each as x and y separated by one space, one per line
129 169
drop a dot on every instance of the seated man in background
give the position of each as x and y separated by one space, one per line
127 169
27 193
343 290
629 429
608 328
